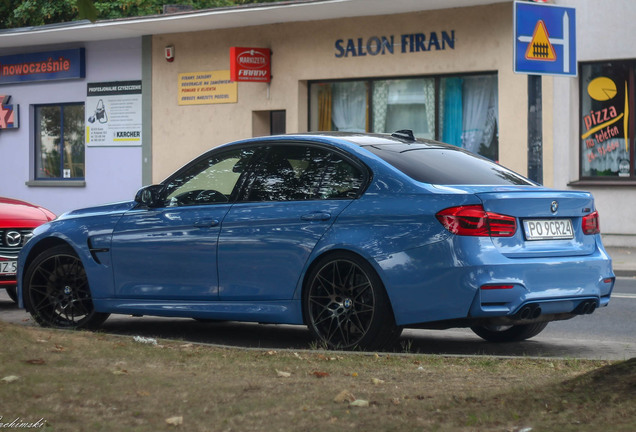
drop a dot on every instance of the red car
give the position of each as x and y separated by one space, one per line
17 221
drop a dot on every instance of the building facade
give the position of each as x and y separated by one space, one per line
594 117
52 151
446 74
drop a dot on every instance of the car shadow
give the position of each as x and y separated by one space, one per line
274 336
7 304
460 342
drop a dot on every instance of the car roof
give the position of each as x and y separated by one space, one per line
399 141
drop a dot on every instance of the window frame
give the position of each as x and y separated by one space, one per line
35 128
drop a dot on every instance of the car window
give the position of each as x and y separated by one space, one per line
296 173
446 165
210 180
341 180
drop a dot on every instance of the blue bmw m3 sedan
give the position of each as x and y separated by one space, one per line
356 236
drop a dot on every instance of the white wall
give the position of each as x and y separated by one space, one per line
604 32
112 174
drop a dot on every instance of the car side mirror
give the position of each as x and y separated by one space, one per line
149 196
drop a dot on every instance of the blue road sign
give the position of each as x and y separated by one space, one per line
545 39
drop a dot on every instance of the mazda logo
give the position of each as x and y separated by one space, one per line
554 206
13 238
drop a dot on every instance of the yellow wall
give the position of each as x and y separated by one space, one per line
305 51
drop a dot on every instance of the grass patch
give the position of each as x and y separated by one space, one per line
77 381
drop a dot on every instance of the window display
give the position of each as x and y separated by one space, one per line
605 123
459 110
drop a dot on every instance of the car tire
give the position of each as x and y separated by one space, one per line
56 292
346 306
12 292
513 333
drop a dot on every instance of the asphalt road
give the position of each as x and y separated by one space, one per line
608 334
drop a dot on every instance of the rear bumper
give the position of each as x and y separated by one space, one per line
445 282
555 287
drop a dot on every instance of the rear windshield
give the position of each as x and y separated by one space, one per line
443 165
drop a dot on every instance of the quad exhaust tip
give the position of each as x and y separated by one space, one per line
585 308
531 311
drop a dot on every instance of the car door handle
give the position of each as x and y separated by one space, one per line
316 216
206 223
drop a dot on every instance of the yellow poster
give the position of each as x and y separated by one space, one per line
209 87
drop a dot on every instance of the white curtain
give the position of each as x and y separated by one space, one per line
405 104
481 111
380 101
349 106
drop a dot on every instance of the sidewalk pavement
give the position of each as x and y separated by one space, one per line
623 261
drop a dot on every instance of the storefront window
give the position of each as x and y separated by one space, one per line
341 106
405 104
59 141
459 110
469 112
606 126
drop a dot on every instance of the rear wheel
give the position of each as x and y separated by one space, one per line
346 306
56 291
514 333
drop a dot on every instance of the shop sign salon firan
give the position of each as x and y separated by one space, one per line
406 43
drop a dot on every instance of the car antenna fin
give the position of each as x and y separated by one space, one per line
405 134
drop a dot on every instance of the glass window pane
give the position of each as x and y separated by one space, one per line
405 104
604 116
297 173
339 106
289 173
47 141
59 141
341 180
469 111
73 141
446 165
211 180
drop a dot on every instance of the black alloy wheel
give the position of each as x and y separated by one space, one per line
56 291
346 306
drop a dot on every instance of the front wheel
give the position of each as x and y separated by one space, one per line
514 333
346 306
56 291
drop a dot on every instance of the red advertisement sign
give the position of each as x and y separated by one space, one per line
250 64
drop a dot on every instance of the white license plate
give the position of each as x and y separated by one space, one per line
548 229
8 267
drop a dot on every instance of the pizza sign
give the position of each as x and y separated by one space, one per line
250 64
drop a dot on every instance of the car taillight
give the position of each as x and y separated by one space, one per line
496 287
473 220
591 224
